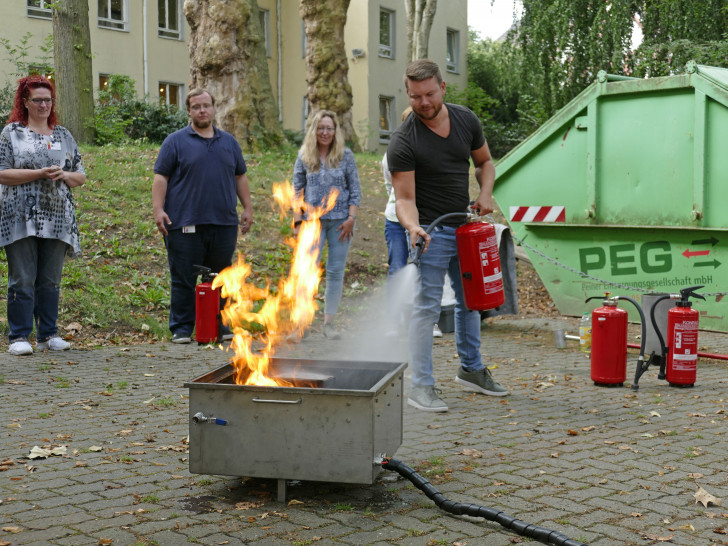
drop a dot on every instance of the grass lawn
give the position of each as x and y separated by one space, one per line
117 291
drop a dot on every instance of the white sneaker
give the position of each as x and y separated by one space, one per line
20 347
53 344
436 332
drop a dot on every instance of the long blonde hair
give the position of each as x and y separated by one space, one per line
309 150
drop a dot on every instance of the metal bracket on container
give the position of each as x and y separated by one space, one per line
200 418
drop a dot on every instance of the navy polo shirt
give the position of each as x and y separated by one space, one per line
201 171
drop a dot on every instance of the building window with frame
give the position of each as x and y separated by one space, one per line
386 33
386 119
452 61
113 14
304 40
170 93
39 8
170 25
264 15
103 82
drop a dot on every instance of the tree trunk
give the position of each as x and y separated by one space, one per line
228 57
420 14
327 66
73 73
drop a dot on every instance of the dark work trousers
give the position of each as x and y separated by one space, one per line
211 246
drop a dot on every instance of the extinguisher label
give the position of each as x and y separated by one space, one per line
492 275
685 343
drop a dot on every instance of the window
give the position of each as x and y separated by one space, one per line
452 63
386 121
103 81
264 15
39 8
170 93
305 111
169 19
304 40
113 14
41 70
386 33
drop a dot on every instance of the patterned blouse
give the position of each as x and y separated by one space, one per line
40 208
316 186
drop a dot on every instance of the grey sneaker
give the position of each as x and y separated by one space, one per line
427 399
480 381
330 332
179 337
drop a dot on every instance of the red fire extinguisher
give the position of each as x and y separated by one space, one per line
477 246
207 308
609 342
480 266
681 364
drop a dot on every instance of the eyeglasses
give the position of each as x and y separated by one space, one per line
41 101
198 107
326 130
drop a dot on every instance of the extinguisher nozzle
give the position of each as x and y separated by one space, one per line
417 254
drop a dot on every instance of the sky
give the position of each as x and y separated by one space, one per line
491 21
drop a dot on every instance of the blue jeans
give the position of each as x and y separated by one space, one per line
440 258
397 246
335 263
210 246
35 266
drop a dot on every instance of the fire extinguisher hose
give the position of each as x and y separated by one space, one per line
543 535
420 245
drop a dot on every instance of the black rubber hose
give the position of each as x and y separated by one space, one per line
420 245
543 535
663 347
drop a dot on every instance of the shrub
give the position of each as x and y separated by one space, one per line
121 117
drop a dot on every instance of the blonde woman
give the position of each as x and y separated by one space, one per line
325 163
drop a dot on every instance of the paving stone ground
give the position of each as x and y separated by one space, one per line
605 466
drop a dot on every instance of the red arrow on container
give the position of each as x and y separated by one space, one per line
689 254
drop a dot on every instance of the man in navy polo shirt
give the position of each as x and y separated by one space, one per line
199 176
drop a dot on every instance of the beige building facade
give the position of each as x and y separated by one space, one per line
147 40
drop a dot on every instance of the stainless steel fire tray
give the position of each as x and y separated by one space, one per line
331 431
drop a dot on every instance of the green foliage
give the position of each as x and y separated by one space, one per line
121 117
25 63
560 46
21 57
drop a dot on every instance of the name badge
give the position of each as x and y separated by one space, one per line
188 229
53 145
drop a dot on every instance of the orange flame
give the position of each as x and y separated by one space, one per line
290 309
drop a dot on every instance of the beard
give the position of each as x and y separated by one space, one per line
202 124
432 113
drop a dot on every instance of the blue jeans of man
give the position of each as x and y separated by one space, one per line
35 266
335 263
440 258
210 246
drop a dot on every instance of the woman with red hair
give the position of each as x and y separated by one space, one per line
39 164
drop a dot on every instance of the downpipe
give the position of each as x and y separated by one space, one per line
541 534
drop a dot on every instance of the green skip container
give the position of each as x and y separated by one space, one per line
625 190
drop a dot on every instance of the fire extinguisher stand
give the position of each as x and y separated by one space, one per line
609 341
679 358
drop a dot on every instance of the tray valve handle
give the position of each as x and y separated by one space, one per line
200 418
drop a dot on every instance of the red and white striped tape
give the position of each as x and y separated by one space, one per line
538 214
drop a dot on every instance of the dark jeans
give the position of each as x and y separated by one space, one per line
35 266
211 246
